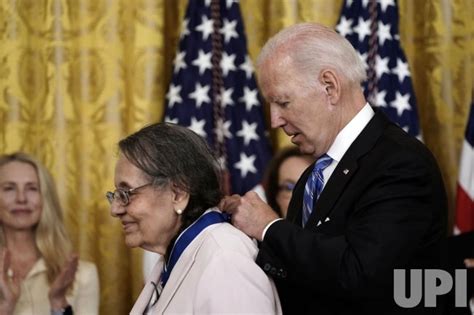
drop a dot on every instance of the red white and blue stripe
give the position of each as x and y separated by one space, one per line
465 189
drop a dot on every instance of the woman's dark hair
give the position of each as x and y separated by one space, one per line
175 155
272 176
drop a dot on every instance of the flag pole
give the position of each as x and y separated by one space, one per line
372 54
217 85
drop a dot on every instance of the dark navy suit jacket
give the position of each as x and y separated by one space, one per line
384 207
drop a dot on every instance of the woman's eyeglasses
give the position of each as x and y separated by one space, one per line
123 195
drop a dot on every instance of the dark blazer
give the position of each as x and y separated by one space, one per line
458 248
384 207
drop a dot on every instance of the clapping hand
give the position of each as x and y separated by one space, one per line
9 285
60 285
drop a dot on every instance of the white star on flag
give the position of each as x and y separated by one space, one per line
184 28
383 32
363 57
401 103
344 27
381 66
179 62
200 94
203 61
171 120
228 30
248 132
198 126
173 95
247 67
246 164
222 130
380 99
226 97
401 70
385 4
362 28
229 3
227 63
249 98
206 27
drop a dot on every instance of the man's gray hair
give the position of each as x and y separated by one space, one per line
313 47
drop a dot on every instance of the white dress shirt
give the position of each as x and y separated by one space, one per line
341 144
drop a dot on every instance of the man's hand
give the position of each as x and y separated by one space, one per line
249 213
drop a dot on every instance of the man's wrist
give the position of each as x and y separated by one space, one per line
268 226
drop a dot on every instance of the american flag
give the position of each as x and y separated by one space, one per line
189 100
393 91
465 191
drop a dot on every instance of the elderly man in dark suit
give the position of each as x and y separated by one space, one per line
374 201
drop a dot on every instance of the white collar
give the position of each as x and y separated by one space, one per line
350 132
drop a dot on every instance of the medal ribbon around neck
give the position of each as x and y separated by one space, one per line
188 235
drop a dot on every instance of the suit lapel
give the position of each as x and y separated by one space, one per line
344 171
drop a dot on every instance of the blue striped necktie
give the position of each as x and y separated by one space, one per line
314 186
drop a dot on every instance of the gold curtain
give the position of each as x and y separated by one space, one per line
77 75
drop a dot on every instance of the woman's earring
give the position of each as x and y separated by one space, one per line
179 211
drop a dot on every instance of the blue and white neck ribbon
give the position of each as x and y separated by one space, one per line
210 217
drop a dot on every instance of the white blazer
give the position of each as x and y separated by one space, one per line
215 274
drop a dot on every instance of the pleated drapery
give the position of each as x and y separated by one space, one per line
78 75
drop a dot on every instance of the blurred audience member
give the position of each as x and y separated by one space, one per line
281 176
39 274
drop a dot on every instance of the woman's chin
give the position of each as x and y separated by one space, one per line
153 249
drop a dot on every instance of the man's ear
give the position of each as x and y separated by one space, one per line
331 84
180 197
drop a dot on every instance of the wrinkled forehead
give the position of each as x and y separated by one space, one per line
274 64
275 60
277 77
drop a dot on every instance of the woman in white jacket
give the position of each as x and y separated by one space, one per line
167 187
